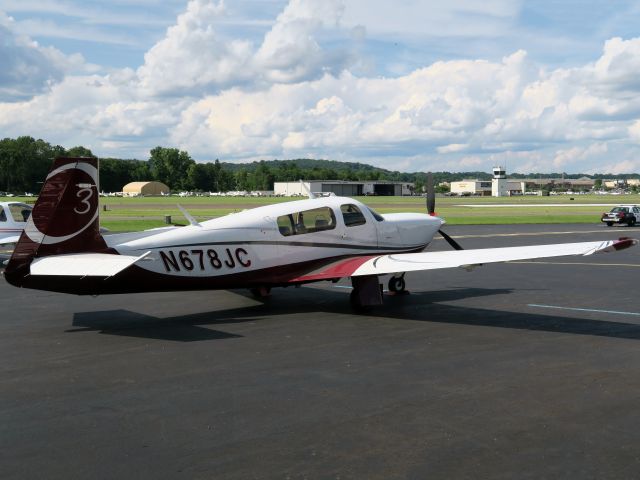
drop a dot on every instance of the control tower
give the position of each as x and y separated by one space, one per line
499 186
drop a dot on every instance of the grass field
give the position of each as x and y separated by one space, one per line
130 214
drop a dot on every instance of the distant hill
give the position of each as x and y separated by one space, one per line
304 163
355 168
337 166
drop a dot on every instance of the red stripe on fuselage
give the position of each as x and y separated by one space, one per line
344 268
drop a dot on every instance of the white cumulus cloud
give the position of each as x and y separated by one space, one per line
288 94
289 52
26 67
192 55
194 58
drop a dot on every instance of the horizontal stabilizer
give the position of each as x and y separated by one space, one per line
83 264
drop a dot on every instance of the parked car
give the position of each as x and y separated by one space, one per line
622 215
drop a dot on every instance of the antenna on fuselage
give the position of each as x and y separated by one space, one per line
188 216
310 194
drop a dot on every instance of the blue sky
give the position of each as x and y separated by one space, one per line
409 85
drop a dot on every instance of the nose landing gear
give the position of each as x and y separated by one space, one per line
397 285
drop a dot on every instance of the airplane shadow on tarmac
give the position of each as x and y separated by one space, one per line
195 327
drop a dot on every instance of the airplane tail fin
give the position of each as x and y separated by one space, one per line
65 218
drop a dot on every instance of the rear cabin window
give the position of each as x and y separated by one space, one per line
3 216
307 221
352 215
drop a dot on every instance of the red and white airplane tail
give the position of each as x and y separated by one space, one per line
65 218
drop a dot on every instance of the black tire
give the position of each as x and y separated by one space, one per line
609 224
397 284
353 299
259 292
356 306
632 221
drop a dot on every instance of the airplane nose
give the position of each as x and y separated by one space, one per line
437 220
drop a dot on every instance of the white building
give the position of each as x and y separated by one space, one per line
499 183
344 188
471 187
499 186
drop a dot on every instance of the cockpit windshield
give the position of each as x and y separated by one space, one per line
376 215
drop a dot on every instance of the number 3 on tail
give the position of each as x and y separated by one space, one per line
88 192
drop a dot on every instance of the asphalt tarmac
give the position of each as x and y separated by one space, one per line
526 370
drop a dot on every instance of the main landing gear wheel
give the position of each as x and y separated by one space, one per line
632 222
397 285
609 224
261 292
354 300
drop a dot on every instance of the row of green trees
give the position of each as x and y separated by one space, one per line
24 163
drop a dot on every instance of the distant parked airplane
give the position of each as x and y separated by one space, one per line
13 218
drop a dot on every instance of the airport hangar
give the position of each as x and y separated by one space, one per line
135 189
344 188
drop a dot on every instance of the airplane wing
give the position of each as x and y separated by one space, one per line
410 262
84 264
8 240
5 253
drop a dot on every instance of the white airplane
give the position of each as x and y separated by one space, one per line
292 243
13 218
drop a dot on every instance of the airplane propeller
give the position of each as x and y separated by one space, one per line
431 209
431 195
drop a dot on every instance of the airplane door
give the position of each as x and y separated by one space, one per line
388 235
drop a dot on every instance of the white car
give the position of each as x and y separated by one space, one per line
622 215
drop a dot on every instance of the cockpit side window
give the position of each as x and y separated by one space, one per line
307 221
352 215
285 225
3 216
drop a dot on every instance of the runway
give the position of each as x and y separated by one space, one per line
525 370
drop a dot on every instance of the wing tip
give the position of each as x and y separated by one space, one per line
621 244
625 242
